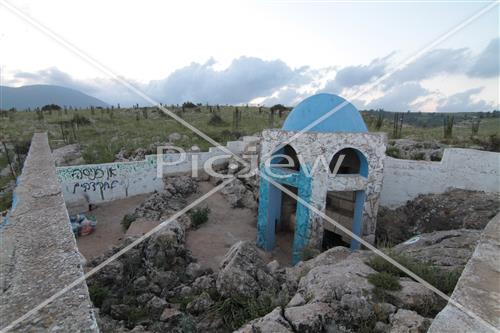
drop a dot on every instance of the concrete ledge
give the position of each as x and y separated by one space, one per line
478 289
41 254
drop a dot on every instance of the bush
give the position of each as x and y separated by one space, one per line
418 156
393 151
199 216
236 311
441 279
127 221
81 120
98 294
216 120
384 281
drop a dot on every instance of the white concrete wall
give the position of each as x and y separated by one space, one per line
97 183
467 169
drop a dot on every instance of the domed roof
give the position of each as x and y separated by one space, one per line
345 119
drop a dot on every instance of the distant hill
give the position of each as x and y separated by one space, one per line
39 95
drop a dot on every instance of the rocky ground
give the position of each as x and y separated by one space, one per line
455 209
416 150
159 287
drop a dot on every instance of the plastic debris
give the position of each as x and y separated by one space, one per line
82 225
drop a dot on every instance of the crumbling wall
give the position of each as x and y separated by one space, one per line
95 183
40 257
467 169
477 290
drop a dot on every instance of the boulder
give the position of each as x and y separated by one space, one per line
68 155
448 250
172 137
454 209
416 296
243 273
406 321
313 317
329 283
238 196
272 322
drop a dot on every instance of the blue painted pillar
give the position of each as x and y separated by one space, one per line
357 221
269 214
301 237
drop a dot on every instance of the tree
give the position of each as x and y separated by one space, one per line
50 107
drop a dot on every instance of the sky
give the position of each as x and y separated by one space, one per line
261 52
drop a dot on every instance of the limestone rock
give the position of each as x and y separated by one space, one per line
68 155
243 273
449 249
272 322
313 317
406 321
237 194
455 209
330 282
416 296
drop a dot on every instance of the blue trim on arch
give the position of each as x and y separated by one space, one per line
346 119
357 221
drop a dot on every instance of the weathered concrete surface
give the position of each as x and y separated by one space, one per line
478 289
467 169
41 257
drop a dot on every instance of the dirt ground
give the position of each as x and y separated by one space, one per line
209 243
226 226
109 231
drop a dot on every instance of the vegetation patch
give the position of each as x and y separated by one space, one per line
439 278
384 281
199 216
98 294
127 221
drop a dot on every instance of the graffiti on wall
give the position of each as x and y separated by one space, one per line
101 178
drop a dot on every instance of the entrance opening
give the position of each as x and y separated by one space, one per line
340 207
285 227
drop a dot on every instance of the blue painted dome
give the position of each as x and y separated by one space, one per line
345 119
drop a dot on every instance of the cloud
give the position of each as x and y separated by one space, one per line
352 76
399 98
433 63
245 79
463 102
487 62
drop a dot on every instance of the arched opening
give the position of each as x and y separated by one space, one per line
354 162
292 163
344 207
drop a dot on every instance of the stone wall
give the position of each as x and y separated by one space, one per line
39 255
478 289
95 183
466 169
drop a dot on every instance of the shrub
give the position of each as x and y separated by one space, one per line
98 294
441 279
127 221
236 311
384 281
81 120
418 156
393 151
199 216
216 120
